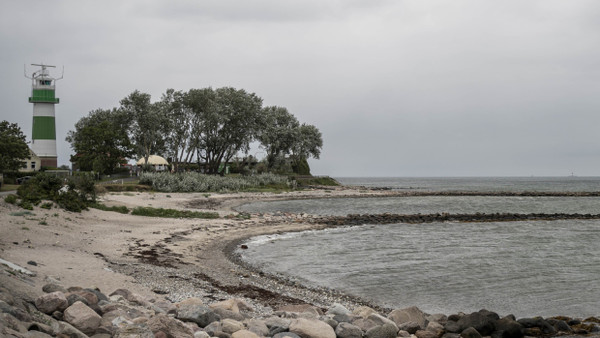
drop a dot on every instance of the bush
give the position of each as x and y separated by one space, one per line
172 213
25 205
196 182
73 196
120 209
12 199
47 205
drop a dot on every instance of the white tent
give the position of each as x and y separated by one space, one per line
158 162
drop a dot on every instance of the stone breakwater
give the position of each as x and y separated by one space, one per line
357 219
88 312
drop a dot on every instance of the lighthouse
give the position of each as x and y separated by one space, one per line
43 97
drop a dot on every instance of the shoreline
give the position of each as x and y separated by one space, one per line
176 259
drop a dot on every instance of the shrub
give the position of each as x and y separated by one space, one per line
120 209
12 199
196 182
25 205
47 205
172 213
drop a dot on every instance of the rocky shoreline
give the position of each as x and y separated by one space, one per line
88 312
198 287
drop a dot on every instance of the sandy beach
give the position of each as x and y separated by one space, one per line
156 257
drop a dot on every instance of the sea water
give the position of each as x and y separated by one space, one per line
525 268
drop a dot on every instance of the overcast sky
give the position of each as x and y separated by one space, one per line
397 88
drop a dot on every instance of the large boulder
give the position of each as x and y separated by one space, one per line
231 326
50 302
382 331
483 321
311 328
509 328
410 314
234 304
537 322
199 314
338 309
244 334
347 330
82 317
134 331
171 327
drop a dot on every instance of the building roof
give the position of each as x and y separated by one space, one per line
153 160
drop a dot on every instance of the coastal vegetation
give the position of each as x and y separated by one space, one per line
196 182
206 127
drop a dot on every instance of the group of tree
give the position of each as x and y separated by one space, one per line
205 126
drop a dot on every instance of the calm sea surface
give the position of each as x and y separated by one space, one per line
524 268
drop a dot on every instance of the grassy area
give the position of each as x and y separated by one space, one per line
9 187
172 213
316 180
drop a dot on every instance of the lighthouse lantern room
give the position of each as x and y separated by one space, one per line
43 97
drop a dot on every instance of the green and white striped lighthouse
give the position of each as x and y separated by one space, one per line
44 127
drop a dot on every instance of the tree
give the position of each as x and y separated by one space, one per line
100 141
147 124
227 121
308 144
179 122
13 148
278 133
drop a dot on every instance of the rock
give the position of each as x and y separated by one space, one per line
347 330
223 313
411 314
427 334
37 334
15 312
12 323
410 327
199 314
201 334
277 325
52 287
244 334
438 318
452 326
50 302
311 328
68 330
380 320
286 335
90 297
235 305
134 331
537 322
82 317
330 321
483 321
364 311
436 328
338 309
382 331
171 327
231 326
507 327
121 292
349 318
257 326
213 328
301 308
560 325
470 332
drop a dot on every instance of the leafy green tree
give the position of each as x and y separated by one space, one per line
226 121
100 141
147 124
13 148
308 144
179 125
277 134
